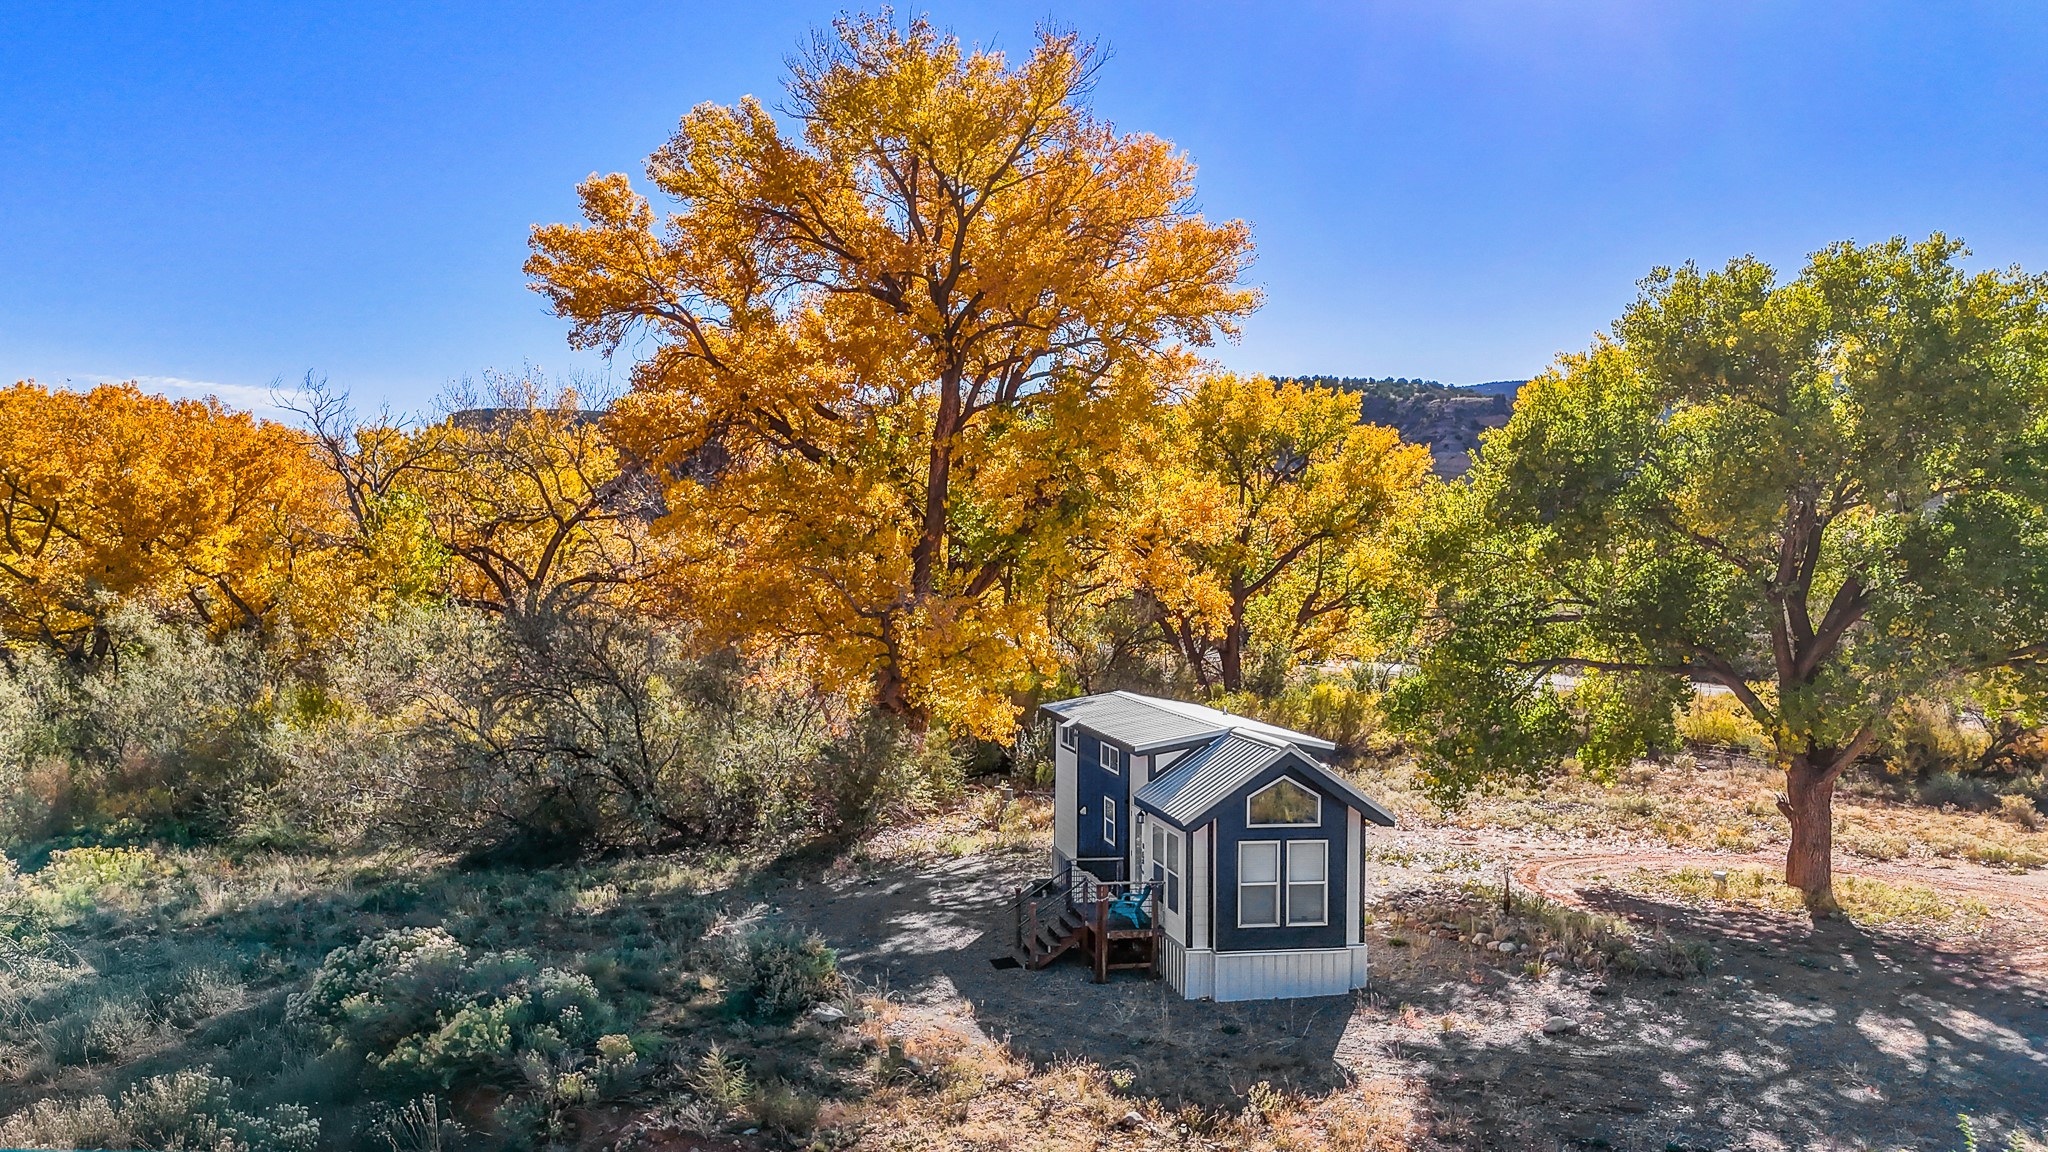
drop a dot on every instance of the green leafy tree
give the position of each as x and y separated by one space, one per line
1824 495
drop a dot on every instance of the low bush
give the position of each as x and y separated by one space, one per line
1719 721
190 1111
422 1011
2021 810
776 973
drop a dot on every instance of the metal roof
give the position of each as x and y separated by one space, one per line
1196 784
1146 723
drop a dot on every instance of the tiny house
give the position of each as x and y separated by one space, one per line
1225 847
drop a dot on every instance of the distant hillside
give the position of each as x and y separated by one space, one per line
1447 417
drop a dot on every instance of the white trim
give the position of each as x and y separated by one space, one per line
1322 848
1175 870
1313 795
1278 884
1070 736
1109 758
1066 803
1109 820
1354 880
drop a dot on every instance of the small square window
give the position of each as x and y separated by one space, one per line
1112 760
1070 737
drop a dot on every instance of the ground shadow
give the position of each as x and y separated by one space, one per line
1800 1035
929 933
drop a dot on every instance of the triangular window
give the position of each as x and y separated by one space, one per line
1283 803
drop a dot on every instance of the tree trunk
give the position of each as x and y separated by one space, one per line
925 557
1230 652
892 696
1809 806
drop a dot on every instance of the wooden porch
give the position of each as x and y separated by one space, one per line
1115 923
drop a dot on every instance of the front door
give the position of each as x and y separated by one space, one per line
1102 775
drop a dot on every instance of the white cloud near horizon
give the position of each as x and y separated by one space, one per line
264 401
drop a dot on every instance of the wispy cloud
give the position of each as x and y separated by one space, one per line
262 400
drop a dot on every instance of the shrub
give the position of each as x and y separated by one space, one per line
721 1082
1342 709
99 1034
779 972
1719 721
2021 810
190 1111
1942 789
1928 737
75 877
422 1011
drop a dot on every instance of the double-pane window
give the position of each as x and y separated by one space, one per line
1262 893
1258 884
1308 882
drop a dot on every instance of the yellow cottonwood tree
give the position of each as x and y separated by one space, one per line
115 493
542 510
898 346
1265 522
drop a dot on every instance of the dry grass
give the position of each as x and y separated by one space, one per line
941 1088
985 819
1865 900
1544 933
1731 806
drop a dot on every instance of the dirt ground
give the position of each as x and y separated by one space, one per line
1798 1036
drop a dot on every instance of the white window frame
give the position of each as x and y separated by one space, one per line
1278 885
1109 820
1313 794
1070 736
1110 758
1322 850
1172 870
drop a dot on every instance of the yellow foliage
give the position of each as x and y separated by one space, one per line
114 494
538 503
894 357
1265 520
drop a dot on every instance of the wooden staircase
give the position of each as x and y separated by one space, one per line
1060 914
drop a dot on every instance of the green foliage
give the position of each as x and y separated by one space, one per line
1625 718
721 1081
1719 721
422 1010
170 731
189 1111
1343 709
777 972
1819 493
75 877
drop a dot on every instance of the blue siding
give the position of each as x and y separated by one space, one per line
1230 829
1092 785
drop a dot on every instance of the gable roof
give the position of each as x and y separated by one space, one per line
1203 780
1146 723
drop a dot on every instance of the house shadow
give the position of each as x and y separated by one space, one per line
1798 1035
934 936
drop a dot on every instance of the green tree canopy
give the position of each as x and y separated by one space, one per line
1824 495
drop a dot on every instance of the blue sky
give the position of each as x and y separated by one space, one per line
224 195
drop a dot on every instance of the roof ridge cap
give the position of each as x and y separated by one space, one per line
1260 737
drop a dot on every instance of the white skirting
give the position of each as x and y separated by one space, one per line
1200 974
